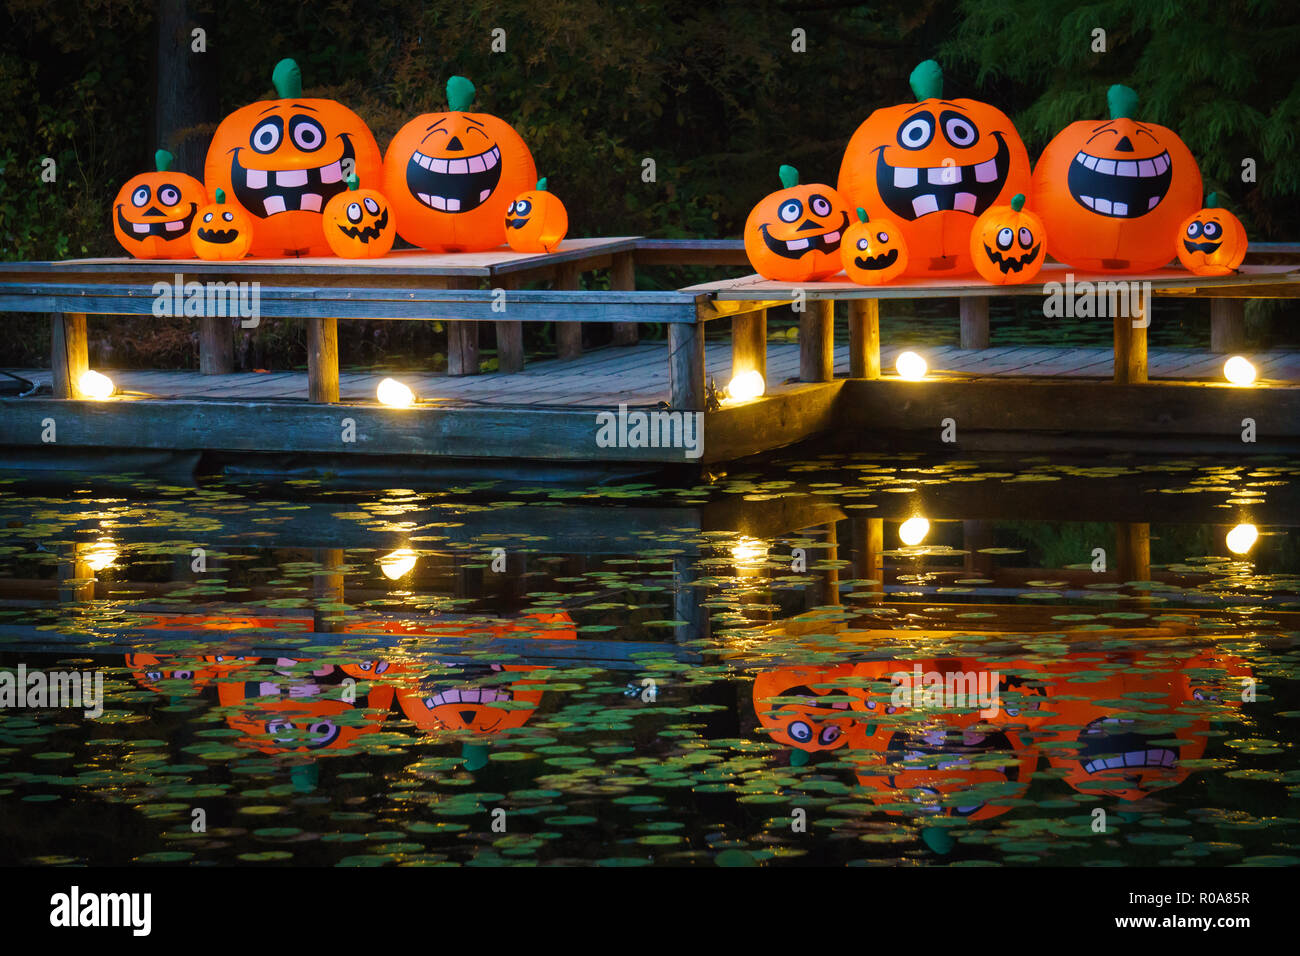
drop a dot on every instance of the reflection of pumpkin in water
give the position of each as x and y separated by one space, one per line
445 703
168 676
1126 751
797 710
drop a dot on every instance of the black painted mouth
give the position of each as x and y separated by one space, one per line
218 236
911 192
268 192
454 185
798 248
366 233
159 228
1120 189
1012 263
1206 247
876 263
1107 747
515 223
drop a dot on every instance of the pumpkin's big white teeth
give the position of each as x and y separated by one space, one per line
911 192
294 189
454 185
794 245
1122 189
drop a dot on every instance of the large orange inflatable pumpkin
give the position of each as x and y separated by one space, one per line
793 234
153 212
1212 241
935 165
451 176
1112 194
283 160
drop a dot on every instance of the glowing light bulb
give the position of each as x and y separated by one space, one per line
100 555
397 564
913 530
1242 538
746 386
1239 371
394 393
911 366
749 552
94 385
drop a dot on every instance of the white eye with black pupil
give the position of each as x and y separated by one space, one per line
354 212
140 197
790 210
372 207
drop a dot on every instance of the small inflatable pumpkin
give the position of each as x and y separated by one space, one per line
793 234
934 165
282 160
1007 244
1112 194
536 221
278 717
154 212
874 251
167 675
1212 241
451 176
359 223
222 231
796 708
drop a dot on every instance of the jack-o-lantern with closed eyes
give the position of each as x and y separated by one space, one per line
282 160
1212 241
1112 194
359 223
536 221
154 212
1007 243
451 176
874 251
222 231
934 166
793 234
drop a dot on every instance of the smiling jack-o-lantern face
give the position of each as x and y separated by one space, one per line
1008 243
154 212
873 250
1112 194
451 176
934 166
222 231
283 160
536 221
793 234
359 223
445 704
1212 241
798 707
280 716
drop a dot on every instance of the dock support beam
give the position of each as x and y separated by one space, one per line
817 341
510 335
864 338
323 360
1133 542
1227 325
462 339
568 335
868 556
216 345
623 278
1131 341
749 343
69 354
974 322
686 366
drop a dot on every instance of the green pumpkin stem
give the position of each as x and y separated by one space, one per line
1212 201
460 94
789 176
287 79
1018 202
927 81
1123 102
352 181
541 185
862 214
220 196
162 160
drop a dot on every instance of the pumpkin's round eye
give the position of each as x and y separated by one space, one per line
354 212
322 732
207 217
372 207
308 135
1026 238
140 197
790 210
510 210
168 194
267 134
1193 229
1212 230
1005 237
961 132
820 205
800 731
523 207
228 216
829 734
882 236
864 244
916 132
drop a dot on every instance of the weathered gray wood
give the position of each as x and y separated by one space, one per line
216 345
568 335
69 354
623 276
790 415
974 322
510 334
686 367
749 343
864 338
1131 342
462 338
323 360
1227 325
817 341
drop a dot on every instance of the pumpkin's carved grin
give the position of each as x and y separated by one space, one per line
1205 247
827 242
874 263
1103 750
911 192
453 185
269 192
1009 263
366 233
163 228
515 223
218 236
1120 189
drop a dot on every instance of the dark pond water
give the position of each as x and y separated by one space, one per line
870 659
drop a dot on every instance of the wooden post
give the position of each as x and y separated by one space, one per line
69 356
817 341
686 366
216 345
831 580
749 343
327 586
689 597
974 322
568 335
623 278
323 360
462 339
1133 542
510 335
1227 325
975 536
1131 342
864 338
76 578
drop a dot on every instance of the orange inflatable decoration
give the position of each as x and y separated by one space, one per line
873 250
222 232
282 160
797 709
1113 194
1212 241
934 165
793 234
153 212
451 176
164 674
536 221
1007 244
359 223
478 708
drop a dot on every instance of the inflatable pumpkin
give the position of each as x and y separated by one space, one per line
1212 241
873 250
359 223
797 709
153 212
282 160
1112 194
166 675
536 221
222 231
935 165
451 176
468 705
793 234
1007 244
